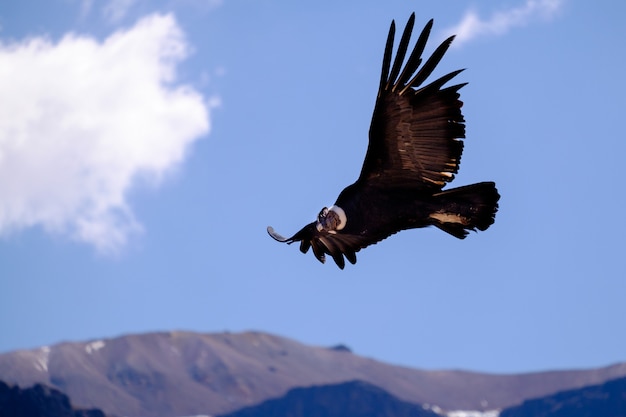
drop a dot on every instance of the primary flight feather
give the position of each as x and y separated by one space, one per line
414 150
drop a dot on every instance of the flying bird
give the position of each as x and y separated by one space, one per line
414 150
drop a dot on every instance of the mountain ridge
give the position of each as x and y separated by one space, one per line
39 401
607 400
185 373
346 399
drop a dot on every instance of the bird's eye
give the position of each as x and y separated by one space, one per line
323 213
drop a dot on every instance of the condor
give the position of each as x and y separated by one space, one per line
414 150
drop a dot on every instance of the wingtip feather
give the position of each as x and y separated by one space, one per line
276 236
401 53
384 74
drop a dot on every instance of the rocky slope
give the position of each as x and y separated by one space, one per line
605 400
185 373
38 401
347 399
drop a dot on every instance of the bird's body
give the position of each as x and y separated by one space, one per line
414 151
386 211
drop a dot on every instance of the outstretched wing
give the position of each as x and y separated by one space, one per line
337 245
415 130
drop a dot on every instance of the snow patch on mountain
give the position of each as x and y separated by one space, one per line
41 361
94 346
471 413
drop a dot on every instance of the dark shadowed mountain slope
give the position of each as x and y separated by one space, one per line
38 401
185 373
348 399
605 400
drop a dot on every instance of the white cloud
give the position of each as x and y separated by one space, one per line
472 26
81 121
116 10
85 7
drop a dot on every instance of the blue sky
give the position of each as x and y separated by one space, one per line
146 145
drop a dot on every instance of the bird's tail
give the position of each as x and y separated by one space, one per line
472 207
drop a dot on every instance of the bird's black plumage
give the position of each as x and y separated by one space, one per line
414 151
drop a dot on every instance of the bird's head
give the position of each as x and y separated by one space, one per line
331 219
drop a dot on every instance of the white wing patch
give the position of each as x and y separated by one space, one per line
449 218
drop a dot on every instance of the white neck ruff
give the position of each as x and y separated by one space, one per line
342 216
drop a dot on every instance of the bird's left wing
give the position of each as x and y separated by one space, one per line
415 130
338 245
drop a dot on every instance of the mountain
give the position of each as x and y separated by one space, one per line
348 399
604 400
38 401
185 373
